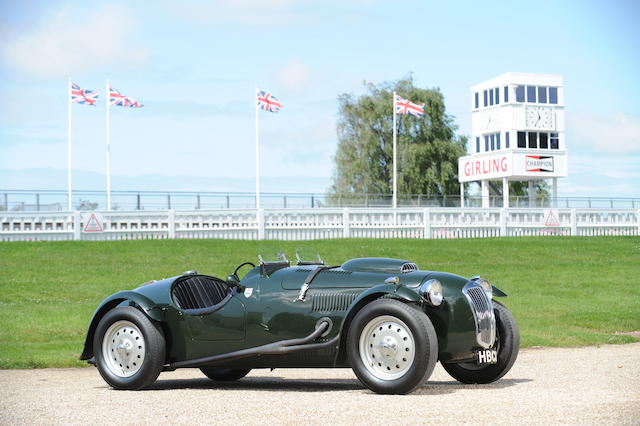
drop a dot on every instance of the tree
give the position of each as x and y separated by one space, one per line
427 148
521 189
86 205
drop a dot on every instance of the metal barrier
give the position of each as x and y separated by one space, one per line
309 224
43 201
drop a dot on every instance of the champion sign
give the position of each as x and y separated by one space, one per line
539 163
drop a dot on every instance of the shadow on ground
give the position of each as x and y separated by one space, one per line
441 388
261 384
280 384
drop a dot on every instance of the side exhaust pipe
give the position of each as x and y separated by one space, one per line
277 348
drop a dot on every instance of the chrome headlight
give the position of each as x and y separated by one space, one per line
431 291
486 287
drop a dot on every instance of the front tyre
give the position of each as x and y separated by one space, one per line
392 347
225 374
508 340
129 349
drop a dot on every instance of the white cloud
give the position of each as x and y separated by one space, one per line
606 191
615 134
610 166
71 43
294 76
601 175
249 13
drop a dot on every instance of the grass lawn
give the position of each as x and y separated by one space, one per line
562 291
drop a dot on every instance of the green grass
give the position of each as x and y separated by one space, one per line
563 291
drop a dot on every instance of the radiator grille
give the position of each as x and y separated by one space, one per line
331 302
199 292
482 309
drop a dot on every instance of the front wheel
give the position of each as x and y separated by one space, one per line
508 342
129 349
392 346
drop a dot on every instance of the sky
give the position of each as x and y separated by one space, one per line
195 65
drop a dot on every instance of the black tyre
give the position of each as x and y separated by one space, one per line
392 347
508 341
129 349
224 374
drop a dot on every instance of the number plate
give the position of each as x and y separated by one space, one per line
488 356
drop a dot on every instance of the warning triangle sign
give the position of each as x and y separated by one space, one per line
93 224
552 219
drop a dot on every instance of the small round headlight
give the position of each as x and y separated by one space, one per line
431 291
486 286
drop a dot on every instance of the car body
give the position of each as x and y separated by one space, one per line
307 315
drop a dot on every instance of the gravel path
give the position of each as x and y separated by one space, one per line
570 386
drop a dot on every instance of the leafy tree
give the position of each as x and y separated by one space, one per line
86 205
521 189
427 148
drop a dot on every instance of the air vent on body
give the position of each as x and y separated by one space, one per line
328 271
330 302
408 267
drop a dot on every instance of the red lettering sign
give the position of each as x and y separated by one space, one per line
485 166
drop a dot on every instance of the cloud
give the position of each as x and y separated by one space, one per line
614 134
248 13
294 76
604 191
195 110
609 166
43 133
71 42
601 175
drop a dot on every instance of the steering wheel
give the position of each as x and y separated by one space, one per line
235 272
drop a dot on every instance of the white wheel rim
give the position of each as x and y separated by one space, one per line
387 347
123 348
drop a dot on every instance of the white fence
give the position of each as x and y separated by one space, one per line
308 224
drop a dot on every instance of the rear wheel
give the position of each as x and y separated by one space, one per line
508 345
224 374
392 347
129 349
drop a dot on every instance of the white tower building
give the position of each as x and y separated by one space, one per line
517 133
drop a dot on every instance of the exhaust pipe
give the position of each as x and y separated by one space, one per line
277 348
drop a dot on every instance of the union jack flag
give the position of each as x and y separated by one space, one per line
83 96
118 99
405 106
267 102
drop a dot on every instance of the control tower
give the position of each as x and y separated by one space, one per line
517 134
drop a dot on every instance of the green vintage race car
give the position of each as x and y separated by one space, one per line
384 318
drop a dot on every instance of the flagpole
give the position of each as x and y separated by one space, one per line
255 101
108 98
69 194
395 183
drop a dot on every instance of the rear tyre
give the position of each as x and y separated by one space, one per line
392 347
129 349
508 338
224 374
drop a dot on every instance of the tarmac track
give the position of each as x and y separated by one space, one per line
593 385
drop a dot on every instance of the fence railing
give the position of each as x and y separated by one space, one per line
56 200
307 224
